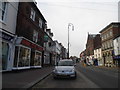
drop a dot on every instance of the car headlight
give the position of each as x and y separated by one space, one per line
73 70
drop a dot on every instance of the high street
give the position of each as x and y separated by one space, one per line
87 77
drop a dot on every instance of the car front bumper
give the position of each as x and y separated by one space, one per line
64 75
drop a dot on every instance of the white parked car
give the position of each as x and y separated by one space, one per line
65 68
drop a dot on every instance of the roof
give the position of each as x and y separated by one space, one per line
113 23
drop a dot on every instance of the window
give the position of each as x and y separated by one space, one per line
16 56
40 23
5 50
49 44
32 16
37 59
105 46
3 8
35 36
102 38
108 44
117 40
111 43
24 57
105 36
110 33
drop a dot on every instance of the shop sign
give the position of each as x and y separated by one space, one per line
46 38
116 57
6 36
31 45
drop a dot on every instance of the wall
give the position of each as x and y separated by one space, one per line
10 22
9 27
117 46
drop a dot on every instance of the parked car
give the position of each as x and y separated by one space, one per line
64 69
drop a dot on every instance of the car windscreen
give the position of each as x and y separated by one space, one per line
65 63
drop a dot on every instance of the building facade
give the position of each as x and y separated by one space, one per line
93 41
97 50
30 37
7 33
57 51
98 56
107 35
116 57
48 52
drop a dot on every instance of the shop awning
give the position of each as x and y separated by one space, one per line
28 43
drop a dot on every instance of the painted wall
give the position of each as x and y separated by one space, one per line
11 15
116 43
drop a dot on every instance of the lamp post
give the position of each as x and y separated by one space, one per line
70 24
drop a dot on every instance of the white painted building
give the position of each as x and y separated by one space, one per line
98 56
48 47
116 43
8 19
89 59
57 50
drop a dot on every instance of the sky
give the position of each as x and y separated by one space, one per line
86 16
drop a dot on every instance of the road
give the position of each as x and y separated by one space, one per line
87 77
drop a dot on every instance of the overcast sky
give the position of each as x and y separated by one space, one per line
86 16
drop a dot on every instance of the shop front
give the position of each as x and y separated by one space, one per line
27 54
117 60
46 58
7 51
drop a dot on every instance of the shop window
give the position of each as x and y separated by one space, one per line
16 56
37 59
3 8
24 57
5 49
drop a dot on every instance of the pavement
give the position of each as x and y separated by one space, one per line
24 78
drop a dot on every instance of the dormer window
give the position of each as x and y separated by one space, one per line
32 16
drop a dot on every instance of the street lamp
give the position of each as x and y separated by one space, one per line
70 24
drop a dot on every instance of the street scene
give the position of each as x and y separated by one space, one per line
59 44
87 77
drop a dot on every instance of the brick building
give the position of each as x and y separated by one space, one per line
108 34
30 36
93 42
